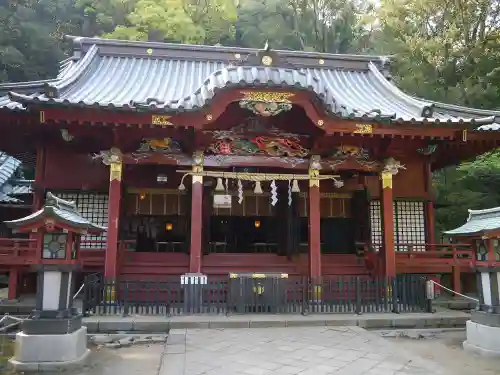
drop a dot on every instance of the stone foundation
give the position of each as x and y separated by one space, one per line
482 339
50 352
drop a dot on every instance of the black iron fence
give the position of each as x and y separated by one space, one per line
255 294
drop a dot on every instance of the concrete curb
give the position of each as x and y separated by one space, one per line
162 324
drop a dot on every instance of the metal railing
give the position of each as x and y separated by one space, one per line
336 294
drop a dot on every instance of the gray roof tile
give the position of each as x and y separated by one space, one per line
479 221
170 77
60 209
8 186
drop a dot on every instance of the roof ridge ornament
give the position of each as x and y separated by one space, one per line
265 57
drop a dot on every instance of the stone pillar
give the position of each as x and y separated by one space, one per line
195 252
53 337
386 205
483 329
114 199
314 220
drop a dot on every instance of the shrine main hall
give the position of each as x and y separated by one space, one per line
214 160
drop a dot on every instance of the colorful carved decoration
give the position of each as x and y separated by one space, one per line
266 103
344 152
358 154
162 145
253 138
429 150
271 146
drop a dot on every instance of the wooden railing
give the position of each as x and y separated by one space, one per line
17 251
445 254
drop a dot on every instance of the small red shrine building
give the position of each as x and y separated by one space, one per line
219 159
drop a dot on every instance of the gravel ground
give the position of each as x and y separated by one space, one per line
446 349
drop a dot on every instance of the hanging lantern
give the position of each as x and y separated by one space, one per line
258 188
295 186
220 185
256 223
181 187
169 227
142 196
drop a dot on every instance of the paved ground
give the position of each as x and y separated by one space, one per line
268 351
293 351
446 348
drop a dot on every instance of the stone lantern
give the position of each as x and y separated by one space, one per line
53 335
482 229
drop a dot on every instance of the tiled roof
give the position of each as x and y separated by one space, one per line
479 221
490 127
9 187
29 88
61 210
171 77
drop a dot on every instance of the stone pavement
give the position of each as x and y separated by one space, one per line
441 319
288 351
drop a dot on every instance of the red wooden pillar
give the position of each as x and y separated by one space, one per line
429 207
13 283
39 194
431 223
114 198
386 195
196 240
314 226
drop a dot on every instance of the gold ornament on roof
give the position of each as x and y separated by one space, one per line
265 103
267 96
267 60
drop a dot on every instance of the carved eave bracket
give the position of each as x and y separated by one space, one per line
314 170
391 168
114 158
198 160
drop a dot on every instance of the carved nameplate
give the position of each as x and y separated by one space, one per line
161 120
363 129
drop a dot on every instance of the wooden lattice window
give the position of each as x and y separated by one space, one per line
409 224
409 221
376 225
93 207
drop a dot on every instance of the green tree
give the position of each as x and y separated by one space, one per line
180 21
445 50
318 25
31 43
